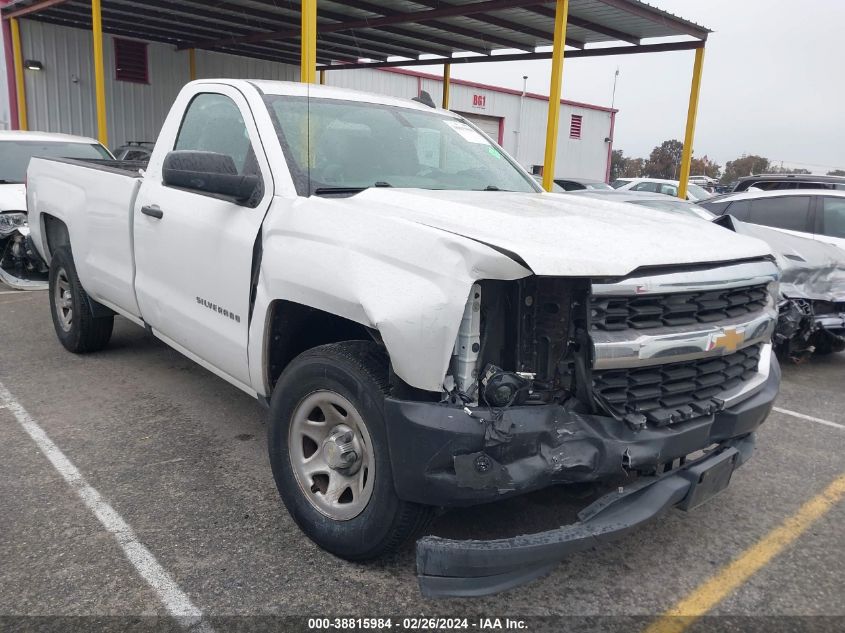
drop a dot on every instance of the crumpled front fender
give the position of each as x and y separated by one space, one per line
406 280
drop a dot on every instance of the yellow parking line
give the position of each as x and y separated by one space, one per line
722 584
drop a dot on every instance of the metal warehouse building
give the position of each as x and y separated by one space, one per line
143 78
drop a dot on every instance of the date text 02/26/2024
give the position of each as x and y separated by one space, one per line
420 623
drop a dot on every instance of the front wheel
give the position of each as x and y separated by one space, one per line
74 321
329 452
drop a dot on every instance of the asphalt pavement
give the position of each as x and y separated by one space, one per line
181 457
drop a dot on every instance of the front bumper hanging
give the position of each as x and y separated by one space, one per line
474 568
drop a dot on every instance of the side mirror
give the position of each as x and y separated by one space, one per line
208 172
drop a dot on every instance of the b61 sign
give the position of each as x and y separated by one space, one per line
479 101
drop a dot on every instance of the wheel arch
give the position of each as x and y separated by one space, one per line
293 328
56 235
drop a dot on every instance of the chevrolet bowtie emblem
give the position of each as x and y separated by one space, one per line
728 340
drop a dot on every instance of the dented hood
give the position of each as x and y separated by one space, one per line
558 234
12 197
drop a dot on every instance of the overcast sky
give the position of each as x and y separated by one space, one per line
773 83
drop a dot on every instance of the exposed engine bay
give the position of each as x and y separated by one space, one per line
517 343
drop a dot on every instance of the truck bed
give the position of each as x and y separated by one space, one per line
123 167
95 201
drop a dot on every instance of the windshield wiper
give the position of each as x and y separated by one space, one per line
10 182
339 190
349 190
493 188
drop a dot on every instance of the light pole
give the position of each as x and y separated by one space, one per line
518 130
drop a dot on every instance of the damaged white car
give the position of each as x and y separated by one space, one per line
20 265
427 327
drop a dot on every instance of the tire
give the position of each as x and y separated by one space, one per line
314 392
75 324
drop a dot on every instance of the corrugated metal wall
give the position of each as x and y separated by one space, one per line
61 97
5 108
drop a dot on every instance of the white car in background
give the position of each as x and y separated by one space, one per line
817 214
658 185
20 266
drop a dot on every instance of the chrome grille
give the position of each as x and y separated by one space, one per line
612 313
666 394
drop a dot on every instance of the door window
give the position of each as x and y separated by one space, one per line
833 217
789 212
741 210
213 123
645 186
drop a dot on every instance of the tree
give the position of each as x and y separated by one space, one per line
745 166
665 160
617 164
836 172
634 168
705 166
788 170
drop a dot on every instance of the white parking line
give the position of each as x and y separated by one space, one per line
172 597
801 416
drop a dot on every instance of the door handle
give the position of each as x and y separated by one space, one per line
153 211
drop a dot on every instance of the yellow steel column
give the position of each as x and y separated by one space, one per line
192 63
561 15
20 85
692 113
308 68
99 72
447 78
322 77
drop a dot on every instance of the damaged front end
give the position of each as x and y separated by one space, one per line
21 267
806 327
560 380
811 307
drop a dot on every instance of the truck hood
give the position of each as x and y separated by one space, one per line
12 197
558 234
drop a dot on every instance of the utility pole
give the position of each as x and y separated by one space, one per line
613 97
519 119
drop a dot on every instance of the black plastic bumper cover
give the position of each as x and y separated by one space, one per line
474 568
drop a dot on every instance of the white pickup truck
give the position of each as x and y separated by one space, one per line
427 327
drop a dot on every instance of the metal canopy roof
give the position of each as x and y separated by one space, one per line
370 33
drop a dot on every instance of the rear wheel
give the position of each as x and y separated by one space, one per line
329 452
73 319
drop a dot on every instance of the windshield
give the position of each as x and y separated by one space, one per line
15 155
697 192
347 146
598 185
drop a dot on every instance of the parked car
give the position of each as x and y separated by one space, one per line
135 151
576 184
811 308
705 182
771 182
556 188
427 326
657 185
817 214
20 266
656 201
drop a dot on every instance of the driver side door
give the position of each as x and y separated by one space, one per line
194 249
